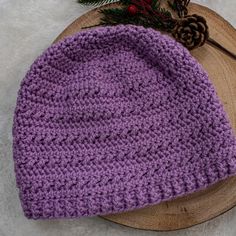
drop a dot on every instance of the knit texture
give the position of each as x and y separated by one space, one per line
113 119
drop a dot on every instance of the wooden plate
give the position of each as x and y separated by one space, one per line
204 205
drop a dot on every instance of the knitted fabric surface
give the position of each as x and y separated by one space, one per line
113 119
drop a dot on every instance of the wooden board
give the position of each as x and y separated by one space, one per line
204 205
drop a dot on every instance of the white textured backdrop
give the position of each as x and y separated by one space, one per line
27 27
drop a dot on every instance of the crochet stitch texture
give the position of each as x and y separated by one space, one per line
113 119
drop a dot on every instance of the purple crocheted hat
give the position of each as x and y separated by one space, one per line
113 119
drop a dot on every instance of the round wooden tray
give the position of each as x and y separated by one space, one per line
203 205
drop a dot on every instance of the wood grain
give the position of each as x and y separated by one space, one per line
203 205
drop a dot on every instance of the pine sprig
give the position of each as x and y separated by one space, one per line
180 6
96 2
161 20
148 13
103 2
119 16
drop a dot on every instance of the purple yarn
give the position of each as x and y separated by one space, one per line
113 119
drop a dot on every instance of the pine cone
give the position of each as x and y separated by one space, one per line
191 31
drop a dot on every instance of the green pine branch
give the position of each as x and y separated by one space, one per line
156 17
120 16
117 16
102 2
96 2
